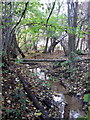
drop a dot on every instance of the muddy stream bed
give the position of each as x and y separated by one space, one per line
67 104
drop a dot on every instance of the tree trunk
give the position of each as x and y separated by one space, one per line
89 25
12 48
72 23
46 46
89 38
7 27
50 60
77 43
81 45
7 30
64 48
26 48
52 46
18 48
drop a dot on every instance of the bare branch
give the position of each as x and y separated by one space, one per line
50 12
23 13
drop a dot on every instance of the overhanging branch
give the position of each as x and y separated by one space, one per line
23 13
50 12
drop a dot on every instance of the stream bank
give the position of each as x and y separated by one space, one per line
61 97
50 85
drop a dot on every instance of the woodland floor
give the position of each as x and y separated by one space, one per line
16 104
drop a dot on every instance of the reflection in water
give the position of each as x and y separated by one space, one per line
75 114
61 102
58 99
39 73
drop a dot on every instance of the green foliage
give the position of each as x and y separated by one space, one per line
32 74
46 83
53 78
87 117
75 55
15 112
5 71
82 118
64 64
57 64
79 52
20 98
87 97
19 61
71 30
3 53
38 113
36 19
1 64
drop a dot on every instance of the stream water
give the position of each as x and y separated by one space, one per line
59 97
